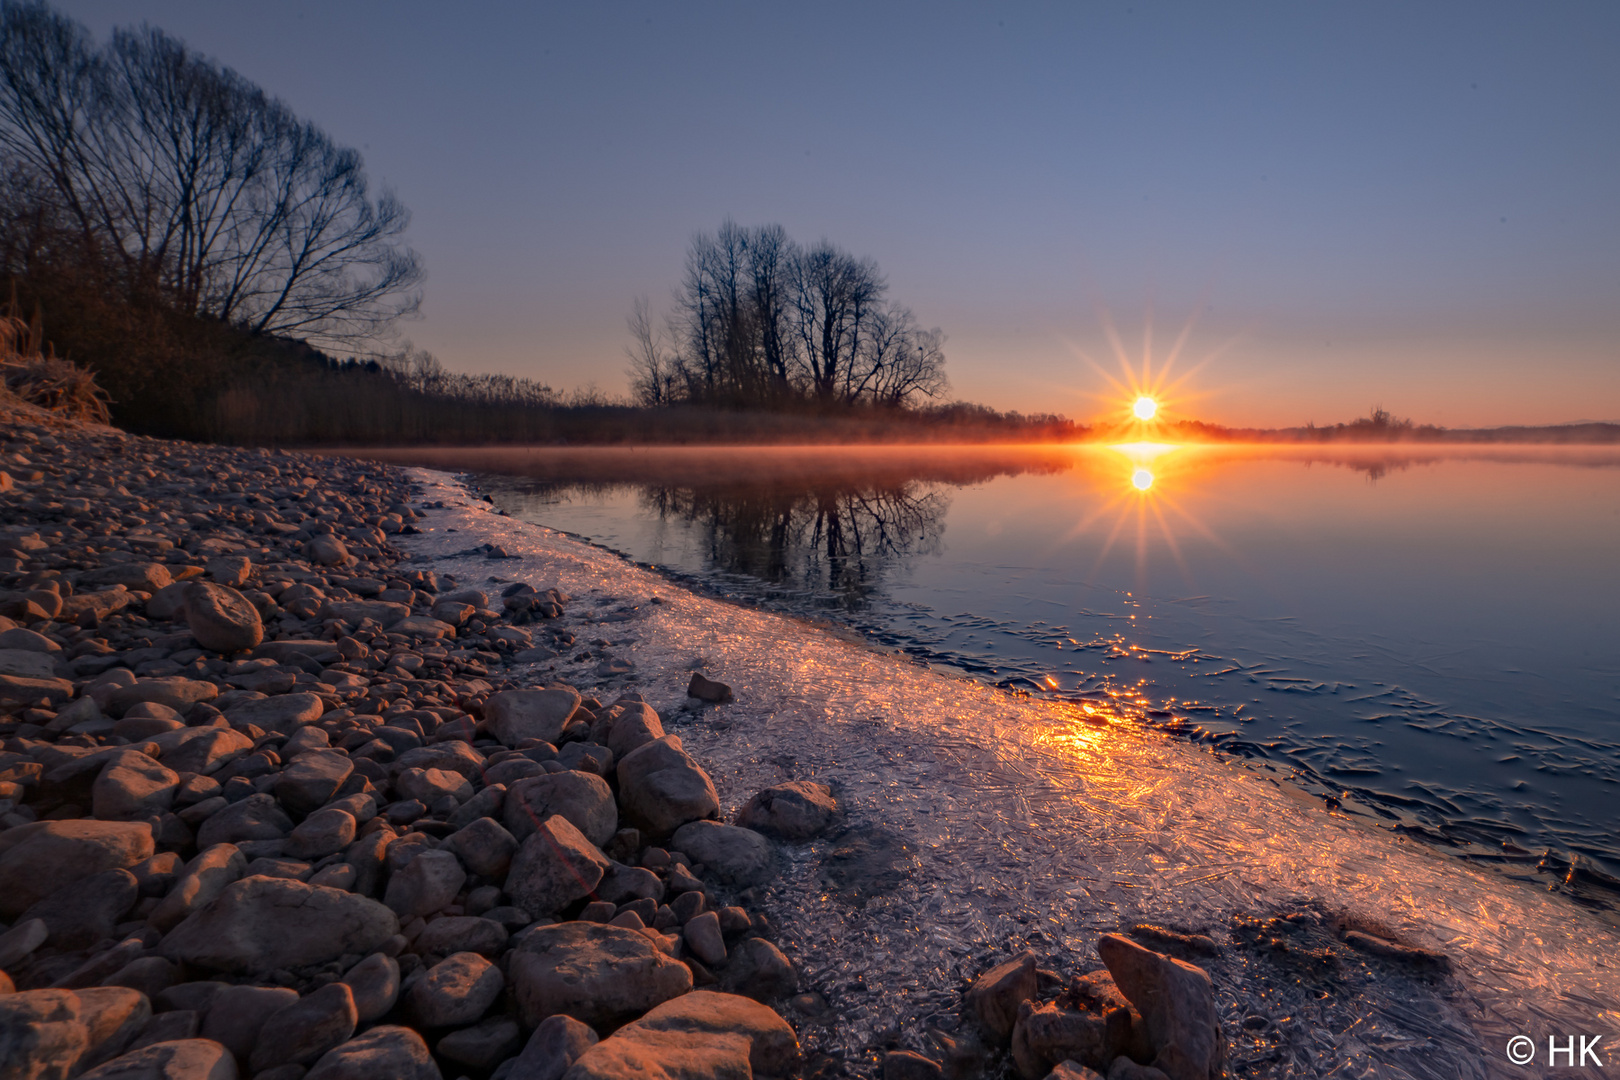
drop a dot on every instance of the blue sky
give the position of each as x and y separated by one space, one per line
1414 205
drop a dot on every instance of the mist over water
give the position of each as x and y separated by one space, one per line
1427 635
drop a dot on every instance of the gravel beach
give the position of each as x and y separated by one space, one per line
321 767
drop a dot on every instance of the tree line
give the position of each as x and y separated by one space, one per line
761 321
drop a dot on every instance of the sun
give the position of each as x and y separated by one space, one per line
1142 479
1145 408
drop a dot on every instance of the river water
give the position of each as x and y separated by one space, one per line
978 822
1429 635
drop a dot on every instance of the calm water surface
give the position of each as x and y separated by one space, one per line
1428 635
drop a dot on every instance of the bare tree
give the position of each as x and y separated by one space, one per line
197 185
654 371
835 297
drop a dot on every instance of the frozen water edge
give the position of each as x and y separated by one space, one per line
1019 823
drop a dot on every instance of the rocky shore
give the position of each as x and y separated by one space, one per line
277 801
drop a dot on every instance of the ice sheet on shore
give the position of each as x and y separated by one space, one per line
983 823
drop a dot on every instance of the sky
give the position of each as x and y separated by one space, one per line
1332 205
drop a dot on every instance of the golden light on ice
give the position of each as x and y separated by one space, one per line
1142 479
1145 407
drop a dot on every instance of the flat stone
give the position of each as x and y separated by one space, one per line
600 975
178 693
384 613
42 857
397 1053
29 663
736 856
147 577
905 1065
662 788
702 1035
222 619
283 713
515 715
584 799
301 1032
456 991
555 866
264 924
28 688
182 1059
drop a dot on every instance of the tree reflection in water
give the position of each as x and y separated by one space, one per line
831 541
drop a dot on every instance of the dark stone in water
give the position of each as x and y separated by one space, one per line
866 862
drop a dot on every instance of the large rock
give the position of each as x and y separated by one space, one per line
310 779
515 715
456 991
583 798
428 883
283 713
397 1053
661 788
375 983
1047 1035
180 1059
698 1036
202 750
428 785
88 910
598 974
996 995
625 726
325 832
736 856
759 970
555 1045
235 1015
132 787
29 664
262 924
256 817
41 857
326 550
56 1033
798 810
221 618
461 933
178 693
303 1031
555 866
1177 1003
485 847
204 878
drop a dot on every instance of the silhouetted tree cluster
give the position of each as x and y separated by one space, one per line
760 320
165 179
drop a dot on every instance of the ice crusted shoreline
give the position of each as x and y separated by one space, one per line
981 824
